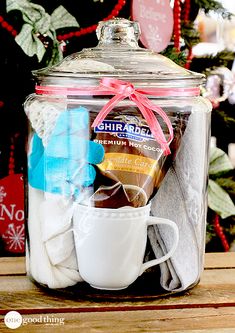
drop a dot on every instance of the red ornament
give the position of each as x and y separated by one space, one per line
114 13
156 23
12 230
7 26
187 7
12 213
177 24
219 231
189 58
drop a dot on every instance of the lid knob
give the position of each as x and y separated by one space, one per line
118 31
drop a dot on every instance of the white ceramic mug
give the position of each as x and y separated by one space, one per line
110 244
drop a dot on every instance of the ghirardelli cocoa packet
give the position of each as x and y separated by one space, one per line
134 164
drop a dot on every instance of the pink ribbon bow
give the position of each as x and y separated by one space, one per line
121 90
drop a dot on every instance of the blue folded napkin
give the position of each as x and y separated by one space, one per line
64 166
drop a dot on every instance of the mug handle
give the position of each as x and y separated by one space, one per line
158 220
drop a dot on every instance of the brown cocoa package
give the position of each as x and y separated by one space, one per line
134 164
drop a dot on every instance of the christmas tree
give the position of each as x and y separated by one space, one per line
221 189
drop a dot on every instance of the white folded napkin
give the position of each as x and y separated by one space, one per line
51 258
181 199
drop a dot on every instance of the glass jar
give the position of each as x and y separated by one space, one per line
111 127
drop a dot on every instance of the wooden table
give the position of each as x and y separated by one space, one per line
209 307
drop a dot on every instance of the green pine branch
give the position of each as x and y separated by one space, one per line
178 57
213 6
227 120
190 35
228 184
209 62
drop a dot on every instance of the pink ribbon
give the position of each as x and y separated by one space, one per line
121 90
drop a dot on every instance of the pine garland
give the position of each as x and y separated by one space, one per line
178 57
207 63
212 5
190 35
229 120
228 184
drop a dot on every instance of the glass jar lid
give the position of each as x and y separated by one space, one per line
118 55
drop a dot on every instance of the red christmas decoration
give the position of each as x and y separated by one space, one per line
187 6
12 230
219 232
177 24
114 13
